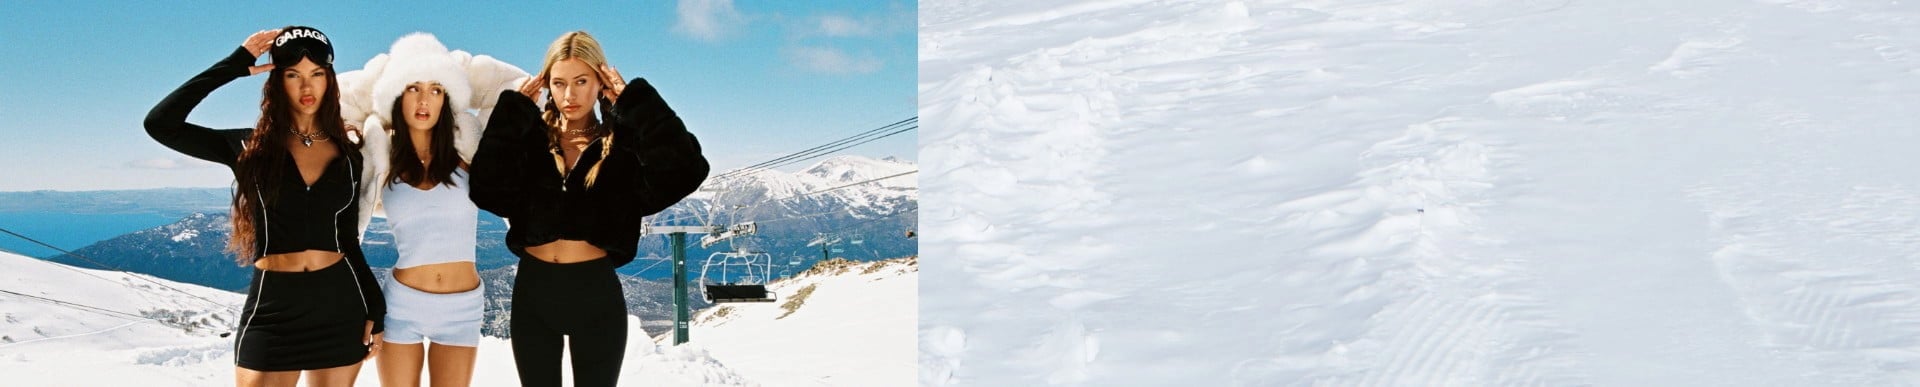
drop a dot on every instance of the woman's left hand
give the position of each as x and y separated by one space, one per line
615 84
373 341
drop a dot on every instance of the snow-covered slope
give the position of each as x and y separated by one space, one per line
856 328
1456 192
61 325
841 323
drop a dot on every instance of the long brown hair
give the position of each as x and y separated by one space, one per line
406 164
263 164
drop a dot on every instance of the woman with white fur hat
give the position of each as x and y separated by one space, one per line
419 136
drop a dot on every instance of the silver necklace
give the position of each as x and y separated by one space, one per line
308 139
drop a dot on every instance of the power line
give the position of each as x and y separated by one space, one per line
77 306
805 196
806 216
838 148
650 267
764 202
897 127
816 149
128 324
114 268
889 130
68 268
822 150
863 182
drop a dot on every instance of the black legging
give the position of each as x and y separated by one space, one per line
582 301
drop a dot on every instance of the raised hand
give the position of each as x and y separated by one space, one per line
258 44
531 88
615 84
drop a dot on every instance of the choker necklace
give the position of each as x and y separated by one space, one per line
589 132
580 137
308 139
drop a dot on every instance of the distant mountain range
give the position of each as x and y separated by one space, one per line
176 201
860 222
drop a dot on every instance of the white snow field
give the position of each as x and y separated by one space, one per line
66 326
854 329
1420 193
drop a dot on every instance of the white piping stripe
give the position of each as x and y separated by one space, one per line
242 339
354 197
260 291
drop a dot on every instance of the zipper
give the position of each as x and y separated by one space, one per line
560 156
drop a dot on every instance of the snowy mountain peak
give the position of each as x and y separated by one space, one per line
853 179
848 169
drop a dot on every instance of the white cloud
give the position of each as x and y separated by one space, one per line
171 163
887 23
831 60
838 25
709 20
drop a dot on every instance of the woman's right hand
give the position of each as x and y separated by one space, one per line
258 44
531 88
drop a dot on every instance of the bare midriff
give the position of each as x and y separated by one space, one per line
299 261
566 251
440 278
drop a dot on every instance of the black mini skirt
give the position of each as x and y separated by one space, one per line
301 321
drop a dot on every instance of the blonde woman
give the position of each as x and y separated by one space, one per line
573 188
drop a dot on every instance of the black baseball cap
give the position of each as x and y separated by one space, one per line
297 42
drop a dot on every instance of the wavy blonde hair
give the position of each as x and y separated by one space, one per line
571 45
575 45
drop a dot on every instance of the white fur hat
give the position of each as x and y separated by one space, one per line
420 57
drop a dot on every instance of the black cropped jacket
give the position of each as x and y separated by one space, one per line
653 162
318 217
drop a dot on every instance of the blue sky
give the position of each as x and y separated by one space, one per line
755 80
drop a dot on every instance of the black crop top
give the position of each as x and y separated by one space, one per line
323 216
653 163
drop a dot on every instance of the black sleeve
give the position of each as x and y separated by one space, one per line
498 177
671 166
370 293
167 122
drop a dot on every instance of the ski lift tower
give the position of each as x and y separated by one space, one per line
677 236
826 242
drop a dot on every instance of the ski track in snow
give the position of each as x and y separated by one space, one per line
1377 237
1438 193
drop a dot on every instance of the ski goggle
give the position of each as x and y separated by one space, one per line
301 42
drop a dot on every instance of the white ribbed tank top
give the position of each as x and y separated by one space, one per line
432 226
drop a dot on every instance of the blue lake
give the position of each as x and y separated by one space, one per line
72 231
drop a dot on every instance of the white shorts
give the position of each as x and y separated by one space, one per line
446 319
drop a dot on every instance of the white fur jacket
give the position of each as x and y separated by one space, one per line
486 76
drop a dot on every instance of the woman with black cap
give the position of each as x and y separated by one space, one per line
313 304
574 188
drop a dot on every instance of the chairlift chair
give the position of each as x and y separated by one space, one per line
750 287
